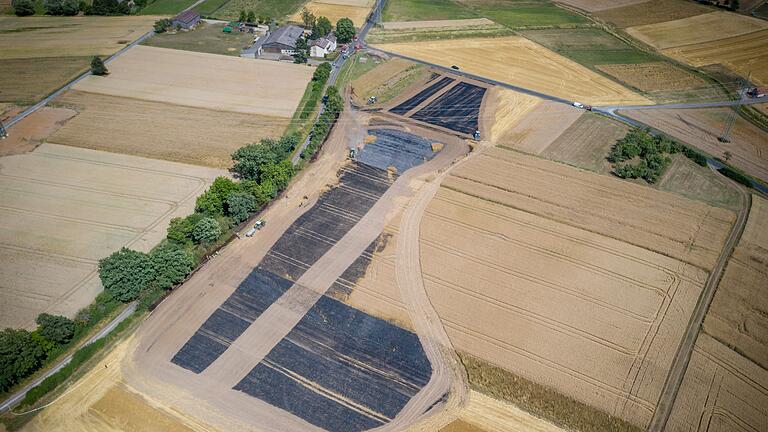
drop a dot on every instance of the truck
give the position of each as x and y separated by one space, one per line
756 92
582 106
257 226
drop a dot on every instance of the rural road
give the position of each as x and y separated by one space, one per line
19 395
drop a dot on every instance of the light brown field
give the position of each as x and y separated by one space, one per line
502 111
651 12
185 78
663 81
701 128
161 131
334 12
746 55
521 254
686 178
387 80
30 132
539 127
5 6
738 316
698 29
485 414
519 61
358 3
29 80
400 25
586 142
599 5
64 208
79 36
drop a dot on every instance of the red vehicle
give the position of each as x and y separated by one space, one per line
756 92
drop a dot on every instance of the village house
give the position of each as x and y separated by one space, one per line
323 46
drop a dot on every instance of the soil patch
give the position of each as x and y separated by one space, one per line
651 12
30 132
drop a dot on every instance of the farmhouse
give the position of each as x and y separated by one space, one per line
282 40
323 46
186 20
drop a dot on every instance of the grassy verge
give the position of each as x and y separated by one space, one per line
206 38
539 400
166 7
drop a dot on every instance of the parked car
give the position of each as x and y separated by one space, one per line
454 67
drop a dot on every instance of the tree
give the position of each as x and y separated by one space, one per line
733 5
162 25
240 205
61 7
23 7
250 159
207 230
55 328
243 16
321 28
250 17
727 155
302 50
308 18
170 265
126 273
212 201
278 174
97 67
262 193
345 30
109 7
20 356
180 229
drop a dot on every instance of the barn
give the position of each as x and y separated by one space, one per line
283 40
186 20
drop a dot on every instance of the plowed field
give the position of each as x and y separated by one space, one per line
518 61
651 12
184 78
521 254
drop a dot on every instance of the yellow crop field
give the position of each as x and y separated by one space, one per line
697 29
519 61
334 11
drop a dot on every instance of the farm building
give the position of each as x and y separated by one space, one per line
282 40
323 46
186 20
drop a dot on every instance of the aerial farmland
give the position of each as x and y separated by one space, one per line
450 216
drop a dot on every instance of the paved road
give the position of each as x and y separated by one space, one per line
19 395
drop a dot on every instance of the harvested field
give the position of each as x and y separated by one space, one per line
33 79
30 132
388 80
503 110
334 12
403 25
701 128
539 128
588 46
663 82
79 36
65 208
382 36
653 11
457 109
551 258
586 142
692 181
738 316
698 29
242 85
524 14
518 61
161 131
485 414
746 54
599 5
721 391
358 3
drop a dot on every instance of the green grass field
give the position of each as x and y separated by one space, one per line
277 9
209 7
421 10
589 46
207 38
524 13
166 7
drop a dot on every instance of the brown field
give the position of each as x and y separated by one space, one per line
586 142
653 11
663 81
519 61
184 78
400 25
599 5
387 80
64 208
334 11
44 36
502 111
517 250
695 30
738 316
539 127
5 6
161 131
746 54
701 128
721 391
686 178
30 132
33 79
358 3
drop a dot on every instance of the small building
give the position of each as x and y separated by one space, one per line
186 20
323 46
282 40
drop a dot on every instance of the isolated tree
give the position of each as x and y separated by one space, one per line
250 17
55 328
207 230
125 274
170 265
727 155
97 67
308 18
321 28
345 30
23 7
20 356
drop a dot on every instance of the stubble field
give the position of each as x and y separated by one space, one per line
65 208
586 142
599 5
663 82
698 29
161 131
29 80
651 12
184 78
357 11
516 60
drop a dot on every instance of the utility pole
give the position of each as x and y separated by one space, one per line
725 137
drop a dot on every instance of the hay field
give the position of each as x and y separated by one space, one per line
470 22
30 80
521 254
486 414
738 316
185 78
161 131
64 208
334 11
693 181
43 36
502 111
599 5
698 29
702 127
539 127
518 61
651 12
586 142
387 80
662 81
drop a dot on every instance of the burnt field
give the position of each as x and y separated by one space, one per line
458 109
421 96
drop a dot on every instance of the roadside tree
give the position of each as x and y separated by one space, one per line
207 230
345 30
240 205
170 265
126 273
321 28
97 67
23 7
20 356
55 328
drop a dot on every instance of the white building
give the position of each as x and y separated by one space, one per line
323 46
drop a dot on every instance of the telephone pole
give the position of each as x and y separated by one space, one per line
725 137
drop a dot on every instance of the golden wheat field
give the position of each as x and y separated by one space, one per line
357 11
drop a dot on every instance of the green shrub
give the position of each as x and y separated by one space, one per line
736 175
23 7
695 155
61 7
